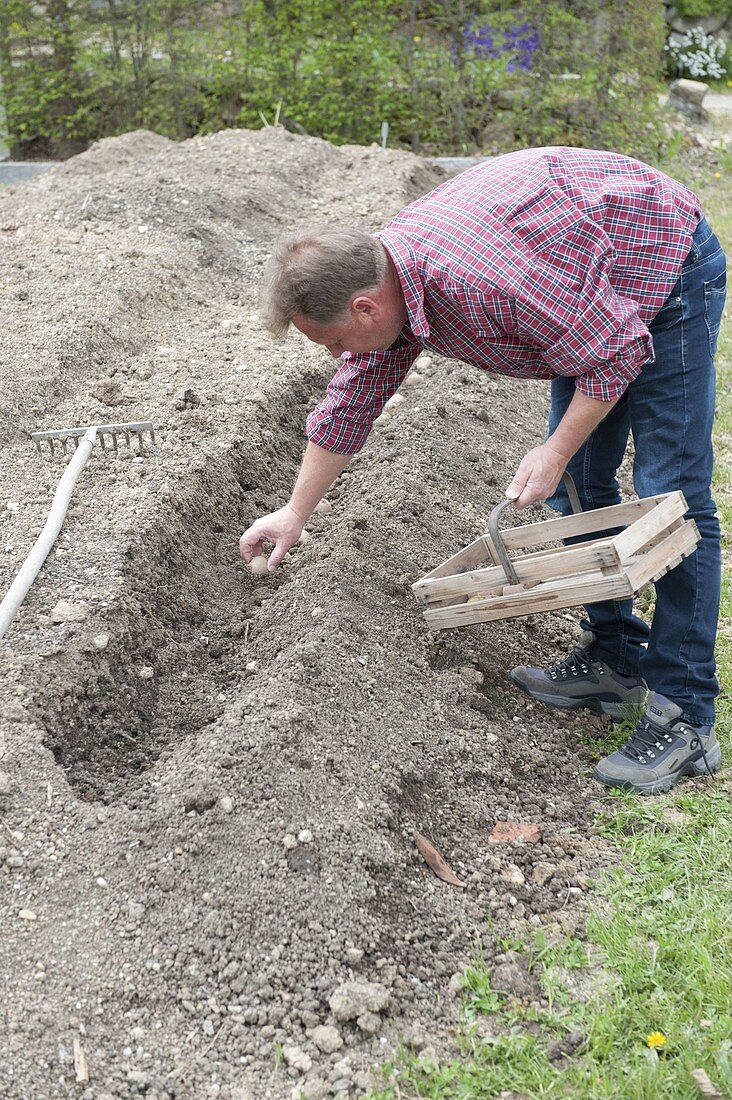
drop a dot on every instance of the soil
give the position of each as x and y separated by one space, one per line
210 781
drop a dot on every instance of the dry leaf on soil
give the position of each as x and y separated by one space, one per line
434 860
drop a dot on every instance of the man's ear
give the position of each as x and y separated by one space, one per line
364 306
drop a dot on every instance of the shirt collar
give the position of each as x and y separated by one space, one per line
405 263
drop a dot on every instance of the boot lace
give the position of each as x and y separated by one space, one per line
575 663
648 741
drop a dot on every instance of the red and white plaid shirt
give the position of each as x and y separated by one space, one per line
539 263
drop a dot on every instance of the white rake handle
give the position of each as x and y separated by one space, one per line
31 567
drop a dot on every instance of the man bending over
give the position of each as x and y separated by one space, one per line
593 271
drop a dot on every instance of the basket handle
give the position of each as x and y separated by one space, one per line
495 515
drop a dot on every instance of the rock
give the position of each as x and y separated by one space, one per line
297 1058
324 507
135 909
559 1048
369 1023
455 985
326 1038
353 999
200 799
5 783
687 97
317 613
146 672
109 392
305 836
13 506
311 1088
505 832
100 641
186 398
428 1054
511 977
66 612
513 874
289 841
27 914
472 675
423 362
673 816
166 878
542 873
226 804
414 378
394 403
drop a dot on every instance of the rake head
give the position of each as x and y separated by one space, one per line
64 436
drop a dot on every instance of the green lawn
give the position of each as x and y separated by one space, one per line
657 954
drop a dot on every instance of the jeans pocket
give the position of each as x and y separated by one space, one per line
715 292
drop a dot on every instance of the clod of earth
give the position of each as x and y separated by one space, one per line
354 999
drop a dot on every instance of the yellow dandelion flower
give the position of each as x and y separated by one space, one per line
416 38
656 1040
717 175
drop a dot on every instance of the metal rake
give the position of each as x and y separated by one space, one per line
83 440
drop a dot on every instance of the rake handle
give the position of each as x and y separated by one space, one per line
43 544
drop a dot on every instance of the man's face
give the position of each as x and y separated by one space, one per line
372 322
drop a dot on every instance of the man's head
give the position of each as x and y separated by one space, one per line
337 286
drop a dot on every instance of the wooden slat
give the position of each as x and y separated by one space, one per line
583 523
657 561
566 562
475 553
648 528
550 596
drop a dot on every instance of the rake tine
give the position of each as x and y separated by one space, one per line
152 435
127 439
102 444
53 452
76 441
38 446
114 442
139 443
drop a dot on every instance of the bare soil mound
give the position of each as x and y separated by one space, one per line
210 782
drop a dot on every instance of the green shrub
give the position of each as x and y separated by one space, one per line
447 75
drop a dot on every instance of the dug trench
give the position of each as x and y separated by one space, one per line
266 780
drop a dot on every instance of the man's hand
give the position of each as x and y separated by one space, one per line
538 475
282 527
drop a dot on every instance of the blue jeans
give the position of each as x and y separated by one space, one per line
669 409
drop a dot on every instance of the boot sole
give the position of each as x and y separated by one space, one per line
660 786
596 706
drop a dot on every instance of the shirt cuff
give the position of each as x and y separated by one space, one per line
611 380
336 434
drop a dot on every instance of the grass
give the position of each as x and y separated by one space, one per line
655 961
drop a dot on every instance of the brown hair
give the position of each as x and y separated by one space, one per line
316 272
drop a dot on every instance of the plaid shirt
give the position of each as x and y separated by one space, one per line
538 263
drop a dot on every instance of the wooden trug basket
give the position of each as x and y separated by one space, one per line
473 586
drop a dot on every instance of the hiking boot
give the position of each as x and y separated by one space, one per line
662 748
579 682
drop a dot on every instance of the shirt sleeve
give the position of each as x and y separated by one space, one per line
567 307
357 393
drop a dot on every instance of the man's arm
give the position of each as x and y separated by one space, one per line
540 471
318 471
